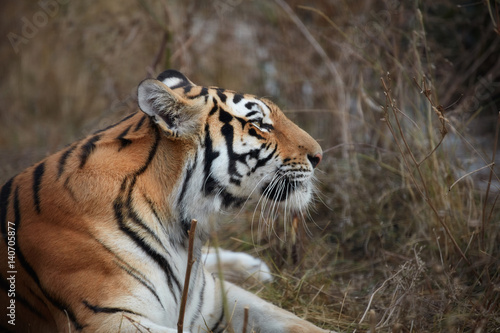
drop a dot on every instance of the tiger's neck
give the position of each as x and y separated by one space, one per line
170 185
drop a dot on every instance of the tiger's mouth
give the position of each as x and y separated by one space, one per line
281 188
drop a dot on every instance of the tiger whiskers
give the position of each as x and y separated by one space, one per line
279 187
269 214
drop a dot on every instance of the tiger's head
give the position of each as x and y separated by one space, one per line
242 146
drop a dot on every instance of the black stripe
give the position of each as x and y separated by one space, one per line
263 161
185 183
68 188
4 203
219 322
141 278
37 179
229 200
139 124
242 121
225 116
155 213
214 108
269 127
254 153
98 309
254 133
210 184
87 149
135 217
203 91
152 206
251 113
187 177
237 98
63 159
29 269
249 105
124 142
186 226
222 96
152 151
228 132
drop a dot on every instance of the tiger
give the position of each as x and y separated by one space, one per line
96 235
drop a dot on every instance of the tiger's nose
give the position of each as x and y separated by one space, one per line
315 159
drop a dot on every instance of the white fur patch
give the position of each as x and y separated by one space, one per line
172 81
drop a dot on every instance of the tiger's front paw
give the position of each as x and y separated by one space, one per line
237 266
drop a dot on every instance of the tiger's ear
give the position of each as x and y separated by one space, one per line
175 115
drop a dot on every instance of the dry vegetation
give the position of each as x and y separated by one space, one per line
403 97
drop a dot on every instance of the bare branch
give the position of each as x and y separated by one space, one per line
192 231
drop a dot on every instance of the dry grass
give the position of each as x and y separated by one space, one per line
405 234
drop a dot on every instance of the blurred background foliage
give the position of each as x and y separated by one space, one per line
393 243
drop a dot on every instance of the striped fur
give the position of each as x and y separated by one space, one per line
99 229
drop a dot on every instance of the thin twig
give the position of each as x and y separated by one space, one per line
138 326
375 292
439 109
343 300
245 319
373 322
192 231
493 205
69 321
315 296
470 173
484 220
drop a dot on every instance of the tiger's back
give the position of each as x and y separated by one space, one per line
97 232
